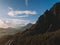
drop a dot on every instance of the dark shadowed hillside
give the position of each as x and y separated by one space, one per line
46 31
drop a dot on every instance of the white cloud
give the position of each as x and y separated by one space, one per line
25 12
13 23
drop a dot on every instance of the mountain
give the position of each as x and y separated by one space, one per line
8 31
12 31
47 22
46 31
26 27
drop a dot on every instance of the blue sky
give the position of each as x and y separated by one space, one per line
14 11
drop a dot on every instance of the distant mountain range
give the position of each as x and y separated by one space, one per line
26 27
46 31
12 31
7 31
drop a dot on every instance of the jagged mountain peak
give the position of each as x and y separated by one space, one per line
56 8
58 3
